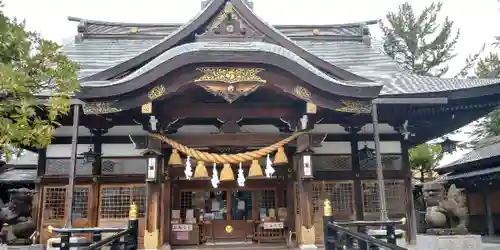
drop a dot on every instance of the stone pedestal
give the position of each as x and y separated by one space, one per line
449 242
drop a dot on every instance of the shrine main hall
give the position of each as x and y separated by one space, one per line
228 129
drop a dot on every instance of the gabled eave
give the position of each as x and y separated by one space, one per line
205 16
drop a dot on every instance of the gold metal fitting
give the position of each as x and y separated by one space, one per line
49 229
132 215
327 206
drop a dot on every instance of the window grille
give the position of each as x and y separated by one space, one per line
116 201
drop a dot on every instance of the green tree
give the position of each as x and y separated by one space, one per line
418 42
31 67
488 67
423 45
423 159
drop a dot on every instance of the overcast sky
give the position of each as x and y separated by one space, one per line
477 20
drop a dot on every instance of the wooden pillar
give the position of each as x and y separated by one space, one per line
356 169
307 237
487 210
166 205
95 194
37 208
411 226
153 188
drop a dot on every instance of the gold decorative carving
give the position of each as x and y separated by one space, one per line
357 107
156 92
147 108
230 83
311 108
99 108
302 93
228 9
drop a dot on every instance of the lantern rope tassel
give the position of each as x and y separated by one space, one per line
255 169
280 157
269 167
226 158
215 177
200 171
226 174
175 158
188 171
241 177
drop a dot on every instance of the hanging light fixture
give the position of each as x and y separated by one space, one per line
366 153
90 156
448 145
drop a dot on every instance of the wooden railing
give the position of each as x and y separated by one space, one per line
340 235
130 236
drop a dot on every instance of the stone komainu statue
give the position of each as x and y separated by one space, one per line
17 213
449 215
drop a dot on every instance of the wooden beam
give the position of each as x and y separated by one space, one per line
223 110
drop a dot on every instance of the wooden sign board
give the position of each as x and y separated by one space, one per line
273 225
182 228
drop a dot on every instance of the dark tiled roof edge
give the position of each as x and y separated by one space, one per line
104 29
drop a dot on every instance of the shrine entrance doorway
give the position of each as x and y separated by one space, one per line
225 215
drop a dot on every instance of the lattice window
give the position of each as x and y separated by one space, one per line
62 166
389 162
341 196
394 193
317 189
55 203
116 201
80 203
186 202
265 199
332 162
108 166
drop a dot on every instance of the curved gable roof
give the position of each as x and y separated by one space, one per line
206 15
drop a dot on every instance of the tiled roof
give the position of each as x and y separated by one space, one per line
478 172
95 55
27 158
14 175
105 45
485 149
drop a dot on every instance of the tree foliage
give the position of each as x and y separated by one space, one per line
423 45
423 159
488 67
418 42
30 67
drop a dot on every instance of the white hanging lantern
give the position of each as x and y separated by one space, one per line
269 167
215 177
188 171
241 177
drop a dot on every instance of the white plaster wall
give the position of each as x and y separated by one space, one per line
109 150
338 147
367 129
114 131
